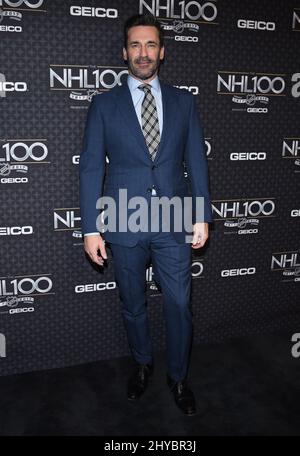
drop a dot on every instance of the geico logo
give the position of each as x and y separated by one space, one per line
248 156
21 310
193 89
192 10
194 39
295 213
13 86
259 25
257 110
16 3
296 87
250 231
236 272
95 287
10 28
93 12
75 159
15 230
25 286
14 180
197 268
20 151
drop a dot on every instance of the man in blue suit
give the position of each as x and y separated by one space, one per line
149 130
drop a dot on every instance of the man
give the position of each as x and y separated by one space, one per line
148 129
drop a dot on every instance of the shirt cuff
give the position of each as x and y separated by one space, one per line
91 234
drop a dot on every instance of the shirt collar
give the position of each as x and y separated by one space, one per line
133 83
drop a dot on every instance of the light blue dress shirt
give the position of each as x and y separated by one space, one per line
138 96
137 99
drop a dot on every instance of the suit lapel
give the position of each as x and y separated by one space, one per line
126 107
168 113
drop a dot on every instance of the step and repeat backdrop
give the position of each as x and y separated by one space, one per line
241 61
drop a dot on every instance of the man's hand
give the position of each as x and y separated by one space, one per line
92 244
200 236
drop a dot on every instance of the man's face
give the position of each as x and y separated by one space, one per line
143 52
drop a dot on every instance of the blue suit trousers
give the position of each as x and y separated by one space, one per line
171 263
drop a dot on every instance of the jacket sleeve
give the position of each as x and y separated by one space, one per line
197 168
91 167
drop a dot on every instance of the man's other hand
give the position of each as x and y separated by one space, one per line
92 244
200 235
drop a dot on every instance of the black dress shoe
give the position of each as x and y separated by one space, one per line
183 395
138 381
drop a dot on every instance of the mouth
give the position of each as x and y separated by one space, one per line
143 64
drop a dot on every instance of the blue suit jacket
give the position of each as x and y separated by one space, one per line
112 129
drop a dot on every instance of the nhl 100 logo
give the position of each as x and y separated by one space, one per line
17 3
192 10
11 290
26 286
20 151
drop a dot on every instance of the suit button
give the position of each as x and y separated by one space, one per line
153 167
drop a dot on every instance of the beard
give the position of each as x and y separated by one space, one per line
143 73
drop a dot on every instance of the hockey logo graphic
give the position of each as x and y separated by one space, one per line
14 156
83 82
9 17
17 294
242 216
181 17
13 17
68 219
296 19
18 3
288 263
250 92
291 150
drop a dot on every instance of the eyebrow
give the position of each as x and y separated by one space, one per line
137 42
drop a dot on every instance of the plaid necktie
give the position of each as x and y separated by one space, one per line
150 125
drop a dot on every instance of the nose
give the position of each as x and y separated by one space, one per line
143 52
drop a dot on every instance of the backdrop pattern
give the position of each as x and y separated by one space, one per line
241 62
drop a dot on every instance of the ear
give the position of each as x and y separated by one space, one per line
162 53
124 53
